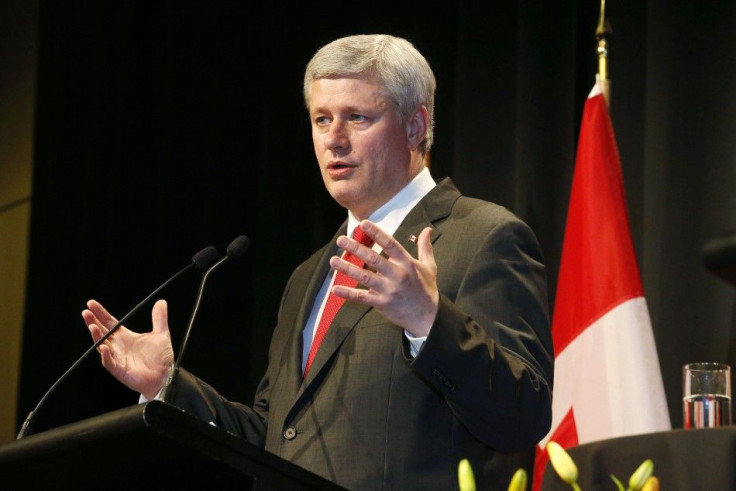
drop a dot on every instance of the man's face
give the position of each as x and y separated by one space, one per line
361 145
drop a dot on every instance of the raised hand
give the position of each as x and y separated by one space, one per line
140 361
401 288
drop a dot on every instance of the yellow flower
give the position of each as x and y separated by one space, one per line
641 475
518 482
465 476
562 463
652 484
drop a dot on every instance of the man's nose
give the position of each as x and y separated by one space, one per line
336 137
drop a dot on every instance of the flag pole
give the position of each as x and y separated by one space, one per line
603 29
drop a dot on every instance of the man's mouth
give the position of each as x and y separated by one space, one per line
339 169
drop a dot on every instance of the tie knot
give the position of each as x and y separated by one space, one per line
360 236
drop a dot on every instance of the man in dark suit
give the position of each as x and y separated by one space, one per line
425 343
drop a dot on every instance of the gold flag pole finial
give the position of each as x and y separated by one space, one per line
604 28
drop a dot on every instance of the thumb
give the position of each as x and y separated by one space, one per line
160 317
425 252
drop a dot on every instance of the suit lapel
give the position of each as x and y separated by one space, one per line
345 321
295 344
435 206
315 282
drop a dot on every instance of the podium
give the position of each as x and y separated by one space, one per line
147 446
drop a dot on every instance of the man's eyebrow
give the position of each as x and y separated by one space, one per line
347 109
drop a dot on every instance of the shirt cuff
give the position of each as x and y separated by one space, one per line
415 344
143 399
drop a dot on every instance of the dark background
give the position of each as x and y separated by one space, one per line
164 127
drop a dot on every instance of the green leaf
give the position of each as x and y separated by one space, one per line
618 483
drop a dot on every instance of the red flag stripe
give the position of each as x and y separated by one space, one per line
566 435
598 270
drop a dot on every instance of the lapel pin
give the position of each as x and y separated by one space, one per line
412 238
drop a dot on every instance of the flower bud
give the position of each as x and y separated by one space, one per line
465 476
518 482
652 484
562 462
640 475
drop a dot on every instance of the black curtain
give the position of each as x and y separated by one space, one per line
163 127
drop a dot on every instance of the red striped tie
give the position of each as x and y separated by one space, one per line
333 301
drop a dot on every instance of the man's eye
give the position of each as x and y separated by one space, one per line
357 118
321 120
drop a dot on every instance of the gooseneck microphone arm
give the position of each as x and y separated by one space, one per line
200 260
236 249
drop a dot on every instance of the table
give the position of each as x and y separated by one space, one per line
683 460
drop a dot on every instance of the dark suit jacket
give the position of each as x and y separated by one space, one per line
368 416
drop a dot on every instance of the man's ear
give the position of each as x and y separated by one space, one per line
416 127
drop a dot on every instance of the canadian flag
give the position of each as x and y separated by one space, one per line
607 378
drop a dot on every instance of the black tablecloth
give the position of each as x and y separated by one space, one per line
683 460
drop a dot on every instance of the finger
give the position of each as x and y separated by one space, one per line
361 275
360 295
425 251
388 243
108 361
160 317
95 331
89 318
371 258
103 316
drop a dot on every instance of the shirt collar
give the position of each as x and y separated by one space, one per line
390 215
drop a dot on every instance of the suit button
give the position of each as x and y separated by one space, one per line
290 433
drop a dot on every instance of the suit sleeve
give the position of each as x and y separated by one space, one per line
204 402
489 351
201 400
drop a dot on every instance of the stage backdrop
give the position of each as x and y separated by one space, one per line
164 127
17 96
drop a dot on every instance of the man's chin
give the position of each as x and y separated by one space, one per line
343 191
350 202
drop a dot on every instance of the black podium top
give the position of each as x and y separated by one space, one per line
683 460
147 446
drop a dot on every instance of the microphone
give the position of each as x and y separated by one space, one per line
200 260
236 249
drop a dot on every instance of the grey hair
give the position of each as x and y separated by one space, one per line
403 72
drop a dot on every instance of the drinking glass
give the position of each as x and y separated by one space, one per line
706 395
